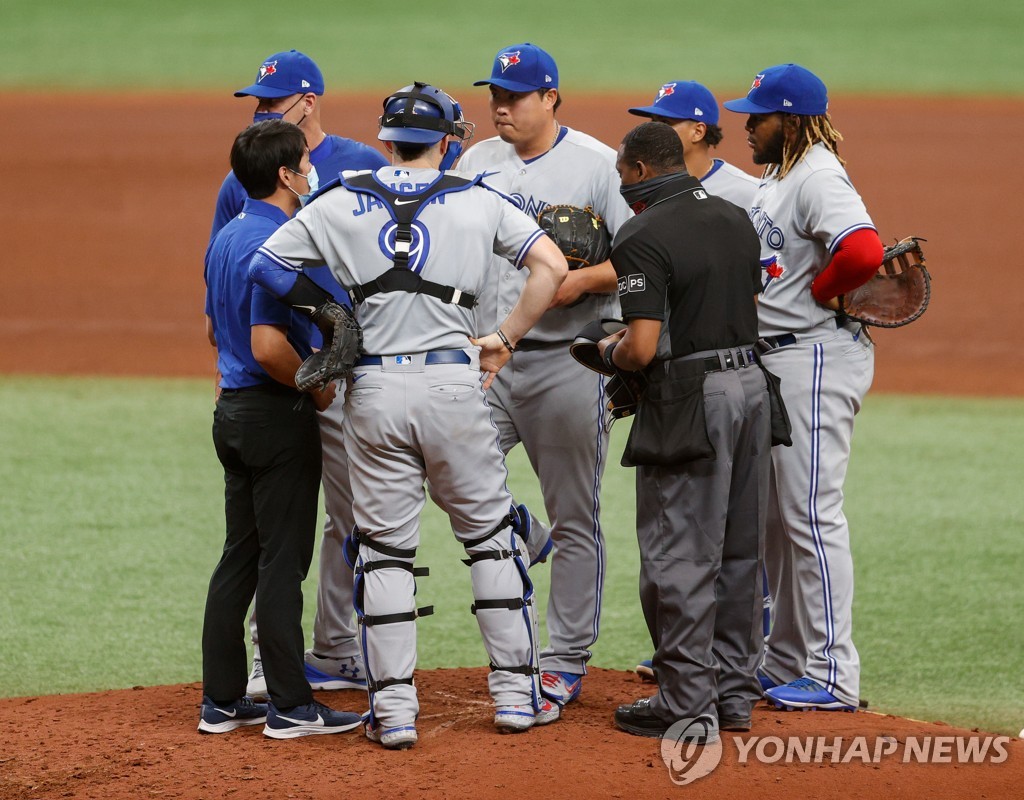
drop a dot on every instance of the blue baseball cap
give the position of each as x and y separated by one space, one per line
789 88
523 68
284 74
682 100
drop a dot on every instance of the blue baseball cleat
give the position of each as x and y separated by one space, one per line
562 687
804 694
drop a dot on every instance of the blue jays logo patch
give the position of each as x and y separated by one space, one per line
665 91
757 81
419 248
267 69
772 269
508 60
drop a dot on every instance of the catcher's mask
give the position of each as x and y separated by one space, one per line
584 346
624 388
623 394
424 114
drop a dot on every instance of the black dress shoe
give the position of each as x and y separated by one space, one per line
728 722
640 720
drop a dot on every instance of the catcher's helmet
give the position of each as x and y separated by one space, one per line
422 114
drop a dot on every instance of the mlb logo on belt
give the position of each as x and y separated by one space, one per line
403 360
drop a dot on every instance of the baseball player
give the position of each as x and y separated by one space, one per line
544 398
268 441
412 246
817 242
690 108
289 86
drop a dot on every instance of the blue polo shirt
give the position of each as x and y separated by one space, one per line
232 304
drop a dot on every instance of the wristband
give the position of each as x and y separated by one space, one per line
505 341
608 355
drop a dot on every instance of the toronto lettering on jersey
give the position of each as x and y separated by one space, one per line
532 207
767 229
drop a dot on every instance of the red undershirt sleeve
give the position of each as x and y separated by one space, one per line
857 259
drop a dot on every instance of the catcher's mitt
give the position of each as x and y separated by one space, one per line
895 296
343 341
580 234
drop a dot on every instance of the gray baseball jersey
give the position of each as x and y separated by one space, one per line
545 399
578 171
730 183
414 411
332 230
826 370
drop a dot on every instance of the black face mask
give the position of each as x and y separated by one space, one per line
638 195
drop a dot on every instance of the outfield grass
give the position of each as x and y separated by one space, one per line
940 46
111 522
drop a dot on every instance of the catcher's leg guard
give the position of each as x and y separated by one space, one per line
384 592
507 615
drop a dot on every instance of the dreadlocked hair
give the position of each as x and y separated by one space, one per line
812 130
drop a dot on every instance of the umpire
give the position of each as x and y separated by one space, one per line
688 271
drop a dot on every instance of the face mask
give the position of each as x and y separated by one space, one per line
263 116
451 155
638 195
314 183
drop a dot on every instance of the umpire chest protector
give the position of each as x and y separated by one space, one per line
404 209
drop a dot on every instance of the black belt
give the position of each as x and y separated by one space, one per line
433 357
714 363
272 387
782 340
535 344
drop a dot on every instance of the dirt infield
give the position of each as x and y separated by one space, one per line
104 246
143 743
103 275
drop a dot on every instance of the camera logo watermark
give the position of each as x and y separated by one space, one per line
688 761
691 749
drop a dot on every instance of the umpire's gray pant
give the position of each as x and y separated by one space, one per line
700 527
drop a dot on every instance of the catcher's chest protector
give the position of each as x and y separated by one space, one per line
404 208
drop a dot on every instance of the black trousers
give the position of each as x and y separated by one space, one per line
268 441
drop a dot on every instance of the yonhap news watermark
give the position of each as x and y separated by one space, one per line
689 757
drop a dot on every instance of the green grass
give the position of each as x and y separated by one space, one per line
111 522
940 46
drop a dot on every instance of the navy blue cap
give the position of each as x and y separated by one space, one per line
284 74
789 88
682 100
523 68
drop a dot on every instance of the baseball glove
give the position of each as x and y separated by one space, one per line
580 234
343 341
898 294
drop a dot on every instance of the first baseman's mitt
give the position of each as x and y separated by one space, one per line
895 296
343 341
580 234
